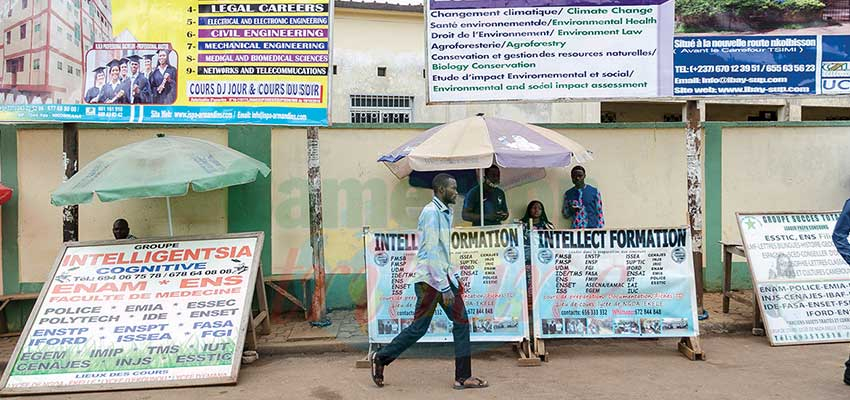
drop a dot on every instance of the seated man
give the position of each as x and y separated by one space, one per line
495 204
121 229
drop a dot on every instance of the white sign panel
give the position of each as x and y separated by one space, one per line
487 50
613 283
139 314
491 261
802 282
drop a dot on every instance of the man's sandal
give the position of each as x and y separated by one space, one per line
377 370
471 383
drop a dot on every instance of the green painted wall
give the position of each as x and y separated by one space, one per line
9 177
249 207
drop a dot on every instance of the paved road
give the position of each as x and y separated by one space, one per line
738 367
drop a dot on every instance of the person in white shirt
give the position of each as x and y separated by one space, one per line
435 282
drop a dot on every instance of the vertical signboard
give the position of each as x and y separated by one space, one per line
613 283
802 283
139 314
492 272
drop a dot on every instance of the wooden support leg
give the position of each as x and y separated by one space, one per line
304 294
690 347
727 279
366 362
265 326
758 325
250 337
287 295
540 350
526 356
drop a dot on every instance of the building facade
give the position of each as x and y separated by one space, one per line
379 77
44 44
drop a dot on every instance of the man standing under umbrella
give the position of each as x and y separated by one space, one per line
495 203
121 229
435 282
583 203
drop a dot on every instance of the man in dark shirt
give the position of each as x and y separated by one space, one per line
121 229
495 203
839 237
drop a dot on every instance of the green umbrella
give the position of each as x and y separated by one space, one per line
164 166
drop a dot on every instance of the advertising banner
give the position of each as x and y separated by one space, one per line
492 266
762 65
487 50
139 314
167 61
803 284
746 65
613 283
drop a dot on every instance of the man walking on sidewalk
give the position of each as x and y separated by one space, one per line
839 237
435 282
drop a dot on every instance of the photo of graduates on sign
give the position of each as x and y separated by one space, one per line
131 73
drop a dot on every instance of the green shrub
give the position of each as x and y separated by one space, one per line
802 5
696 8
708 8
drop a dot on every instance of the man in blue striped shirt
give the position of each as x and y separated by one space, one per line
583 203
435 282
839 237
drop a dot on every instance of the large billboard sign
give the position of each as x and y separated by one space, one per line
487 50
166 61
550 50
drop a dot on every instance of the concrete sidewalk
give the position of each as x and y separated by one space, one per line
291 334
347 333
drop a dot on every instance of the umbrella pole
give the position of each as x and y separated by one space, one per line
481 194
170 227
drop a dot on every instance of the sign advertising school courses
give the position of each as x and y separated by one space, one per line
803 284
761 65
613 283
139 314
492 267
487 50
168 61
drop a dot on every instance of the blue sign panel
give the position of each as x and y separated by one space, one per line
835 64
745 65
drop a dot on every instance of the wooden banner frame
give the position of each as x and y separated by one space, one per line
250 325
689 346
522 348
760 306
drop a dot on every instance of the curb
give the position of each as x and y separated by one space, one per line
361 344
314 347
725 327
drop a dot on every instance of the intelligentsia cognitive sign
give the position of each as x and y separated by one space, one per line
121 314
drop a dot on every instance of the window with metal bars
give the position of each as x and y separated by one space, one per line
381 109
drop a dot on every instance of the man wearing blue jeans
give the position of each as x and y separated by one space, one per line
435 282
839 237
